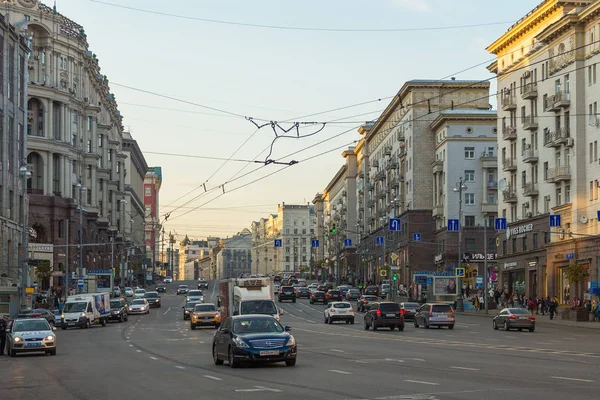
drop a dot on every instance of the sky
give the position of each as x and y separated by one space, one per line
190 88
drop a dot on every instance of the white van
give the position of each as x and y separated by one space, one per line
83 310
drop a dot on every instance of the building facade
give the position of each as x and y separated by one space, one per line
190 250
548 116
266 257
234 259
153 227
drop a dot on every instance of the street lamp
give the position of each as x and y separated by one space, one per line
81 190
460 187
25 173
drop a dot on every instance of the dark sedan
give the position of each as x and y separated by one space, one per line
318 297
188 308
38 313
153 299
334 295
514 318
253 339
161 288
410 309
303 293
372 290
353 294
365 302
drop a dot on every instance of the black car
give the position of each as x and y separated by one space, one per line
365 302
287 293
325 287
118 310
410 309
182 289
38 313
153 299
334 295
188 308
372 290
318 297
384 314
202 284
253 339
303 293
161 288
353 294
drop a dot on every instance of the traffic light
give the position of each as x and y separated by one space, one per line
333 229
395 277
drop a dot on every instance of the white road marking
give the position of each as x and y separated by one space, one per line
422 382
338 351
201 342
154 358
571 379
340 372
130 345
169 309
466 368
214 378
418 359
139 351
179 366
258 389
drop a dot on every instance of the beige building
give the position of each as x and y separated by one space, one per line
265 256
548 98
189 251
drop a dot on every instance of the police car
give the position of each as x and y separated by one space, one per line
31 335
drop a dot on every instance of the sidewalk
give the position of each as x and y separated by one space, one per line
539 320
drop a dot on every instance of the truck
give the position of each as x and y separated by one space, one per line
83 310
243 296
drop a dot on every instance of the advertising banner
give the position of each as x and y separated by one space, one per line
444 286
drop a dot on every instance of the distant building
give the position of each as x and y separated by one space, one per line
190 250
234 258
152 184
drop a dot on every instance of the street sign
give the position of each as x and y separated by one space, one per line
598 215
100 272
500 224
395 224
570 256
416 237
430 280
379 240
395 267
394 256
80 283
453 225
315 243
347 242
383 272
460 272
278 242
554 220
479 281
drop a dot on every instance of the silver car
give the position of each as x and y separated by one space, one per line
435 314
139 306
30 335
514 318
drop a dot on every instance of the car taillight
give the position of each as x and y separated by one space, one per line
36 315
352 310
378 312
532 317
332 310
401 313
451 309
513 317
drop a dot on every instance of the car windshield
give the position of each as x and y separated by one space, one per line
258 307
57 312
191 304
441 308
138 302
341 305
195 293
115 304
370 298
183 287
140 291
160 286
205 307
389 307
75 307
385 286
411 305
256 325
287 289
127 288
334 292
31 325
518 311
152 295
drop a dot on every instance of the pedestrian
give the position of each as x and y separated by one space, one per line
476 303
3 327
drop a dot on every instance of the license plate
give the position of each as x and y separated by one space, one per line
34 344
269 352
390 315
522 317
71 323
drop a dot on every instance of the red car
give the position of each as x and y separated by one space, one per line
334 295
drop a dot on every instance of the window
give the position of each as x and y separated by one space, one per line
558 196
469 176
303 230
469 220
470 199
469 153
61 228
514 245
567 194
74 117
147 191
546 237
89 145
100 185
89 123
524 244
118 167
470 244
110 152
89 172
11 71
100 140
535 240
504 247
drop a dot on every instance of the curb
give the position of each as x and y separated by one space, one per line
583 325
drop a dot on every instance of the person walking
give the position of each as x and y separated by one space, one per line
3 327
476 303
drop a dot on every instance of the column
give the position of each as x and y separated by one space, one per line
64 123
65 183
48 120
48 173
484 186
93 186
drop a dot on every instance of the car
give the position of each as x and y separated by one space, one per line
168 279
293 281
38 313
188 308
344 289
324 287
277 278
182 289
30 335
276 289
313 286
205 314
302 282
118 310
128 292
138 306
318 297
57 317
435 314
372 290
194 295
365 301
161 288
334 295
384 314
287 293
386 289
303 292
339 311
410 309
253 339
352 294
139 293
514 318
202 284
116 292
153 299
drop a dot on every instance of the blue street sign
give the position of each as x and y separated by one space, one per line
593 284
379 240
416 237
598 215
347 242
453 225
460 272
80 283
430 280
500 224
315 243
570 256
479 281
99 272
395 224
278 243
554 220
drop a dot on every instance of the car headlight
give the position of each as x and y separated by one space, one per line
62 316
51 338
17 340
202 299
291 341
240 343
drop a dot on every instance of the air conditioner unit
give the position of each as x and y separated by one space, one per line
527 74
570 142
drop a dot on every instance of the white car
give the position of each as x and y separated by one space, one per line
30 335
168 279
139 293
139 306
339 311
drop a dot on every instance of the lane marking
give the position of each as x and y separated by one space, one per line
154 358
130 345
418 359
466 368
139 351
179 366
169 309
422 382
337 350
340 372
259 389
571 379
214 378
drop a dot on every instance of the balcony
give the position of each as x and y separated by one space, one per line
402 151
530 189
530 156
489 160
388 151
489 208
562 99
530 91
530 122
392 165
560 136
492 185
509 133
371 203
375 164
437 166
393 182
380 175
508 102
509 195
509 164
361 175
559 174
382 194
550 103
35 191
438 211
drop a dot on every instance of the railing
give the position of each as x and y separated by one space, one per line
530 122
35 191
530 154
508 101
562 172
509 132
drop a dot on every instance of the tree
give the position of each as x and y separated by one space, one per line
576 273
43 269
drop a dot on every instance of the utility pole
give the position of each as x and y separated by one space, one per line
459 298
162 253
80 273
485 264
67 280
130 252
337 259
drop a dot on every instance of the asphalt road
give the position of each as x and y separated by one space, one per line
159 356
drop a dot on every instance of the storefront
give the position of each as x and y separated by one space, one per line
474 266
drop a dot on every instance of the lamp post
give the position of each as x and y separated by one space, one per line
80 272
383 222
25 173
460 186
358 237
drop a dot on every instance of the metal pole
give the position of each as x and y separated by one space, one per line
130 252
112 255
80 272
337 260
25 239
67 280
485 264
459 298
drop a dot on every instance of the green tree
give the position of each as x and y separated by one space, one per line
576 273
43 270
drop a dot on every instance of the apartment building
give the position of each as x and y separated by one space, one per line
548 116
153 227
234 259
190 250
265 256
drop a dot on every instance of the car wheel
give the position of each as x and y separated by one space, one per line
495 325
88 324
311 302
64 328
366 325
193 327
506 327
126 318
373 325
12 353
401 327
329 320
416 323
52 352
216 358
294 300
280 300
352 321
325 319
450 327
426 324
290 363
520 329
531 329
103 321
120 318
392 327
232 362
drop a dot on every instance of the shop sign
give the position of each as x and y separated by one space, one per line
434 273
518 230
40 247
479 256
510 265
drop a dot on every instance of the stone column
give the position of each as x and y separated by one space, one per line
48 120
484 186
48 174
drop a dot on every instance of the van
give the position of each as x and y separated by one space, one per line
83 310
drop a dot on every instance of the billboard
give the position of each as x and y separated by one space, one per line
444 286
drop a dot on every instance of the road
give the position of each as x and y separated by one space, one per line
158 356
